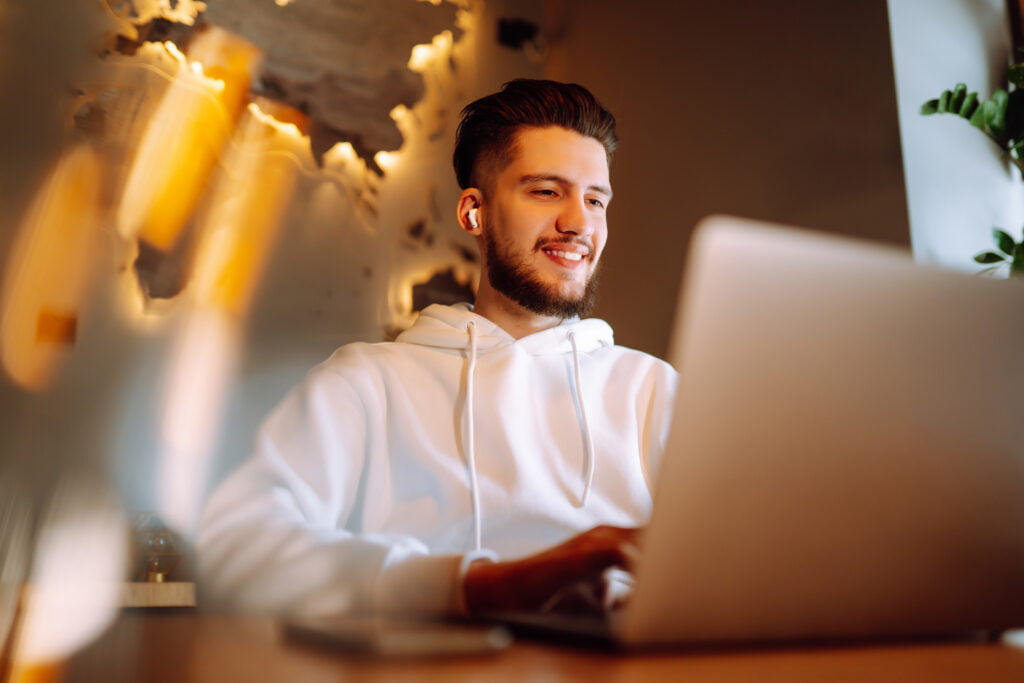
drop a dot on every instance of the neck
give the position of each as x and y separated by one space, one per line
509 315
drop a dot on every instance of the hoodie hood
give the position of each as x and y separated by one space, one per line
458 329
445 327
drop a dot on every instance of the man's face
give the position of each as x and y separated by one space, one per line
546 227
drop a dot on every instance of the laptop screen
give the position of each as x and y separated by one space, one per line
845 458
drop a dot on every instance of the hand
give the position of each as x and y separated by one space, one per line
530 583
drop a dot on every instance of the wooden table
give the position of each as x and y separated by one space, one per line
178 646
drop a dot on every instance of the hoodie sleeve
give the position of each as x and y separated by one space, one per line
275 536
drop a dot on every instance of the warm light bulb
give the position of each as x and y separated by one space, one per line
49 269
343 151
247 201
386 160
421 57
183 140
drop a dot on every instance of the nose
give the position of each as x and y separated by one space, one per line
574 219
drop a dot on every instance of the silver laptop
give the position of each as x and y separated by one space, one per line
846 458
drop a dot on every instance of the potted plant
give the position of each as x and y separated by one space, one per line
1001 118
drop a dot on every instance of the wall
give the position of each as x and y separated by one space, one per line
783 111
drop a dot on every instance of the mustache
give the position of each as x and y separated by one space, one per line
568 239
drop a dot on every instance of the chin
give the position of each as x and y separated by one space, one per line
573 291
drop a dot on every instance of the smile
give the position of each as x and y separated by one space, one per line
567 255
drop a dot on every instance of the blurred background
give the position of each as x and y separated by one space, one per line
200 201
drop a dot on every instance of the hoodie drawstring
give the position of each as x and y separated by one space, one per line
588 443
474 490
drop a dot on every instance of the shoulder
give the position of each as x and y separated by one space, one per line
369 366
361 357
638 360
349 368
348 381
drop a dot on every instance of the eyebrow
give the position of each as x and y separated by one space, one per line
532 178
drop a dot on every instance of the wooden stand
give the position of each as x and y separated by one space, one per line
157 594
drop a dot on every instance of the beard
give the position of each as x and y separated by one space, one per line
513 276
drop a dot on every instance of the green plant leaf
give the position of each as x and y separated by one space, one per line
1003 241
1001 116
978 117
995 113
956 99
1017 265
969 106
989 257
944 99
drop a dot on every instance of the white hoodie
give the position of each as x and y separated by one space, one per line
393 465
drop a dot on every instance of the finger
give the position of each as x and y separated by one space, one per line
625 533
617 588
631 555
614 552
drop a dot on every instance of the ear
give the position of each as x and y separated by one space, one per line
470 199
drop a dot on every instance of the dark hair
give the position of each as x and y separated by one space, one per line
486 132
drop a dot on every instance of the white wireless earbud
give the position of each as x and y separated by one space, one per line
471 217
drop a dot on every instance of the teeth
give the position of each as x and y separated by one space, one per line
567 255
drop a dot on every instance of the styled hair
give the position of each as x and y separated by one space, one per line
485 139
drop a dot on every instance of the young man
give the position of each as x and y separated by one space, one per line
496 456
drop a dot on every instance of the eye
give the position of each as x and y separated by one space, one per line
593 201
543 192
